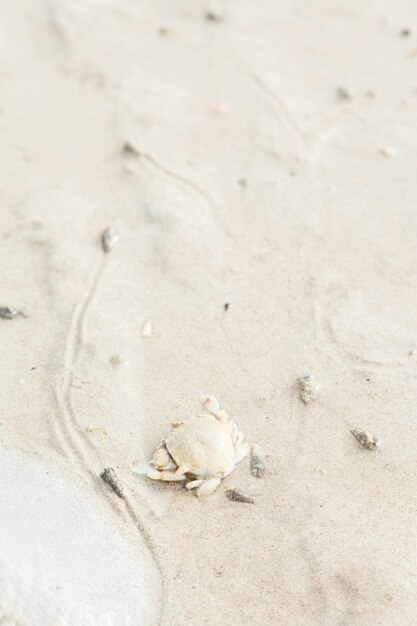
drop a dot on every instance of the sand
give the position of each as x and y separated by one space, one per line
222 154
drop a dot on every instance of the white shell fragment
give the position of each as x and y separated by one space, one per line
367 440
108 239
147 329
308 388
200 451
388 151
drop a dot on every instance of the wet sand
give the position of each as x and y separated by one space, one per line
247 181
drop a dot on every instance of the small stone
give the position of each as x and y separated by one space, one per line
307 388
129 148
116 360
343 94
147 329
108 239
257 465
211 16
7 313
164 31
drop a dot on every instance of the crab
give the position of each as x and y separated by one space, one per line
200 451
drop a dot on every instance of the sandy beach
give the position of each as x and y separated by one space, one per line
259 155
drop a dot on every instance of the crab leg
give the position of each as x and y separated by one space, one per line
239 439
229 470
242 451
170 466
208 487
164 475
183 469
194 483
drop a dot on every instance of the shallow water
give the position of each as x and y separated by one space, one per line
61 560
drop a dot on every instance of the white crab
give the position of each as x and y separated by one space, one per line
201 450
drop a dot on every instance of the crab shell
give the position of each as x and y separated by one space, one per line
204 445
202 450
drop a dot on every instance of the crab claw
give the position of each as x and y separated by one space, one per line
161 457
210 403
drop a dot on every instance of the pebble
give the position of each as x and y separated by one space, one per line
108 239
